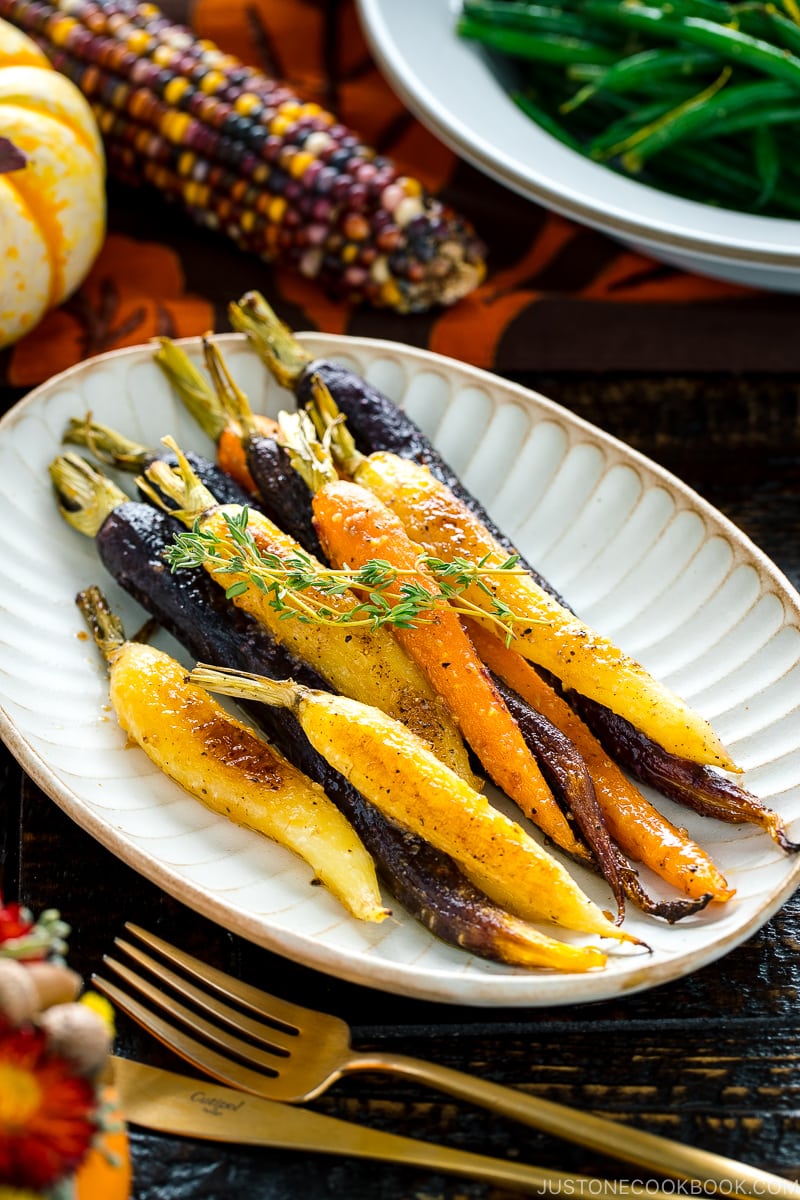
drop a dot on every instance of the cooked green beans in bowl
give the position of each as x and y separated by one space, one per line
700 98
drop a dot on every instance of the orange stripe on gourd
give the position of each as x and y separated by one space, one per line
55 202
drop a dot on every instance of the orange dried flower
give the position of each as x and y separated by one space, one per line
46 1112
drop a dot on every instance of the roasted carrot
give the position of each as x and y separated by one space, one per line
394 769
204 403
247 446
368 665
543 630
112 448
702 789
224 765
377 423
281 493
355 527
131 539
633 822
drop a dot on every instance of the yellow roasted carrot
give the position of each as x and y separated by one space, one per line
394 769
224 765
368 665
355 527
544 631
633 822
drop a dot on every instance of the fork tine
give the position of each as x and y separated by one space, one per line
290 1015
227 1042
194 1052
274 1039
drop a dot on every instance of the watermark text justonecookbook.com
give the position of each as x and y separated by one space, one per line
673 1187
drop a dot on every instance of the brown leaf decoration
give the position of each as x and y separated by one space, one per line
97 318
135 291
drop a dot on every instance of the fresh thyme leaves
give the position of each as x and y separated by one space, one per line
298 587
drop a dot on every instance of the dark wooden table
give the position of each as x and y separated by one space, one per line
713 1059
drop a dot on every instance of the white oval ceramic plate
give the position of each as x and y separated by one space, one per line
634 551
449 84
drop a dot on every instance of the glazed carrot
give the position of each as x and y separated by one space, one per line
206 404
544 631
366 664
355 527
225 765
396 771
633 822
232 457
131 538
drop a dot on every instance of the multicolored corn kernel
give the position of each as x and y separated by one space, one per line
246 156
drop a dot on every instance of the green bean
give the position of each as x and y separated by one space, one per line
627 126
638 121
543 48
697 97
769 116
545 121
586 72
643 71
711 10
784 30
687 120
767 164
730 44
647 67
532 18
696 181
723 168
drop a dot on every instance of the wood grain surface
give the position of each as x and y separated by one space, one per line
713 1059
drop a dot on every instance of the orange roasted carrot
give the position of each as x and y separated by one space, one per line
232 442
354 528
633 822
544 631
369 665
232 453
211 406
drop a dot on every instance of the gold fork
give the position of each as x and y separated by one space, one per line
301 1052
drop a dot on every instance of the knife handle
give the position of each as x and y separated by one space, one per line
185 1107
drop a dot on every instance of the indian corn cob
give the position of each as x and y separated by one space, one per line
247 157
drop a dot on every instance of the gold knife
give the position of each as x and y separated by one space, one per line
177 1104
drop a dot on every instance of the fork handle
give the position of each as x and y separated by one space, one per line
662 1155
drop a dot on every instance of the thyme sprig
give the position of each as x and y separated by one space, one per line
298 586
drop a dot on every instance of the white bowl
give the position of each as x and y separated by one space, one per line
448 83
